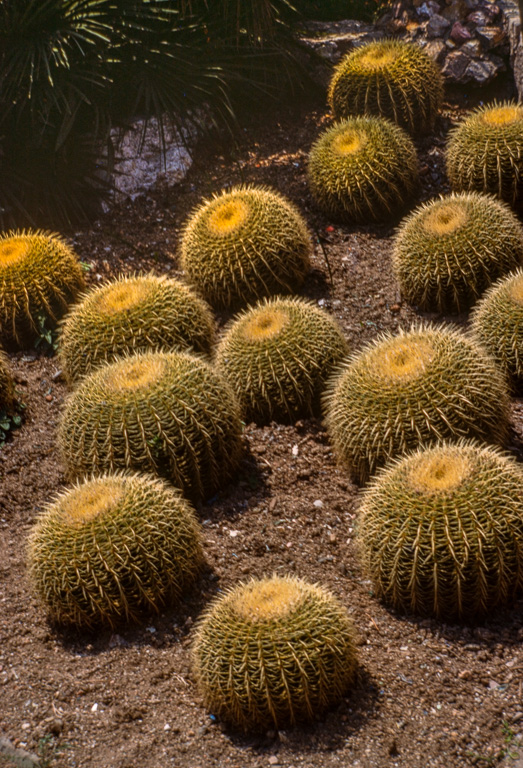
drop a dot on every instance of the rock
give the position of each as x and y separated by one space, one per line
455 65
490 37
428 9
459 33
472 48
18 757
480 71
455 10
143 158
436 50
333 39
437 26
512 27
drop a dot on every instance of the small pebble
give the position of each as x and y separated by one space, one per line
318 504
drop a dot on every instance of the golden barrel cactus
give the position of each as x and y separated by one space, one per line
497 323
449 250
273 652
441 531
114 549
244 244
133 314
363 169
277 356
410 389
485 152
169 413
39 277
388 78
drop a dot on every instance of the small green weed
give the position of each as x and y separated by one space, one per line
507 751
47 338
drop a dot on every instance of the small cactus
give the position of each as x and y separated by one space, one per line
497 323
363 169
272 653
388 78
277 356
441 531
114 549
133 314
410 389
485 152
245 244
448 251
168 413
39 276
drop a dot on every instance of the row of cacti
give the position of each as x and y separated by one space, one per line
441 530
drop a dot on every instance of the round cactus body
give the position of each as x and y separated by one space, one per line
7 387
39 276
441 531
363 169
388 78
273 652
411 389
448 251
245 244
133 314
497 323
166 412
277 357
114 549
485 152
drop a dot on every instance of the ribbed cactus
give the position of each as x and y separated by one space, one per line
441 531
448 251
272 653
485 152
388 78
39 276
7 387
133 314
245 244
277 356
497 323
363 169
167 413
410 389
114 549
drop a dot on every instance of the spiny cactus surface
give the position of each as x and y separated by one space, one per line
166 412
413 388
363 169
133 314
388 78
245 244
7 387
485 152
273 652
448 251
441 531
113 549
277 357
39 277
497 323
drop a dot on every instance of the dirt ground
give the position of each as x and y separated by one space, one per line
427 694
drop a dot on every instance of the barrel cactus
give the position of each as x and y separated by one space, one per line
245 244
388 78
277 357
497 323
133 314
485 152
169 413
39 276
273 652
441 531
114 549
448 251
363 169
410 389
7 387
